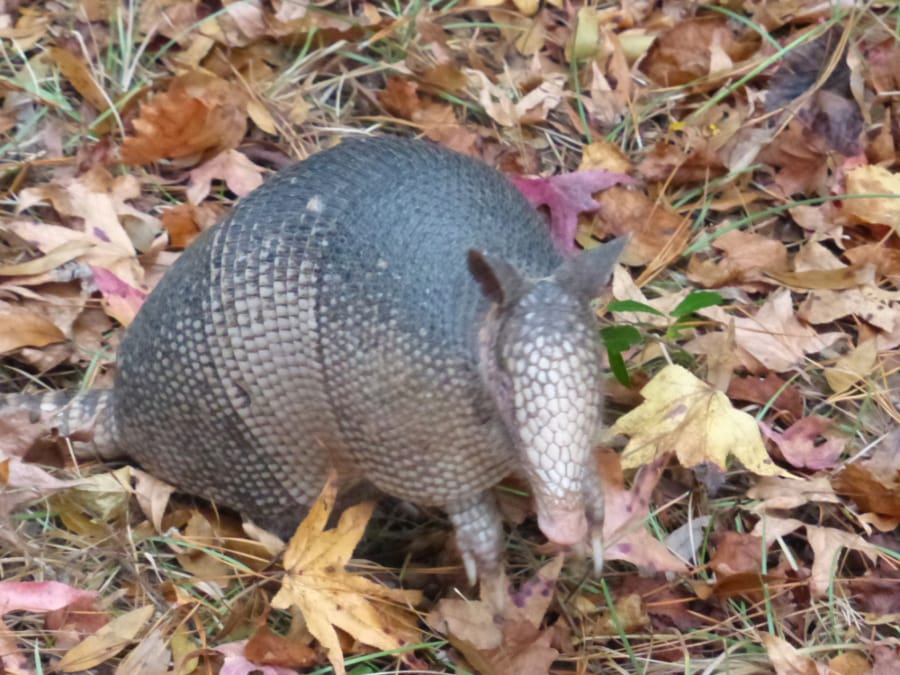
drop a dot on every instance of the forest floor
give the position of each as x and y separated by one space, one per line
752 464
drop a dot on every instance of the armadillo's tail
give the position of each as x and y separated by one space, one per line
86 420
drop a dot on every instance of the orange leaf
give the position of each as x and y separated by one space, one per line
200 114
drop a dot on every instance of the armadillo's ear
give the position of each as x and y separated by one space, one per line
589 272
499 281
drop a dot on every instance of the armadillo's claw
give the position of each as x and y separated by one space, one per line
597 550
494 591
471 568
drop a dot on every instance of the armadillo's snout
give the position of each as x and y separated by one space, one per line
563 526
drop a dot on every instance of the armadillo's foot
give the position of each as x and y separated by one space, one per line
495 591
594 509
479 534
471 568
597 549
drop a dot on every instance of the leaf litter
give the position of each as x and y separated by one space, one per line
749 152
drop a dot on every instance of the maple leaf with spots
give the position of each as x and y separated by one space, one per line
318 584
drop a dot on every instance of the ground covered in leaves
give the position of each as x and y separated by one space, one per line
752 465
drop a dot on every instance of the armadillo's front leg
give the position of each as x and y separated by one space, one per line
479 536
594 510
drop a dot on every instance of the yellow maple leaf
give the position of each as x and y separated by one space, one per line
318 584
684 415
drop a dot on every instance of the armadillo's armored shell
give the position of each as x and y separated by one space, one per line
331 319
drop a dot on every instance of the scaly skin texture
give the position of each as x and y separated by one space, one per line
387 308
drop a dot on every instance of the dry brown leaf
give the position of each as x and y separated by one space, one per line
199 115
876 180
240 175
106 642
763 389
151 656
787 660
737 553
105 496
800 444
171 18
100 200
508 111
778 493
696 48
693 159
827 543
266 647
654 226
775 337
885 260
854 366
748 258
881 308
317 583
872 493
511 644
850 663
627 512
799 160
77 71
23 482
21 327
683 415
112 229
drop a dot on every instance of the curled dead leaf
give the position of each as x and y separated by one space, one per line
200 114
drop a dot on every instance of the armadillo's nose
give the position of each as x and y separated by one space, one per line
563 526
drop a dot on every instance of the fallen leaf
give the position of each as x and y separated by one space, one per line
872 493
77 71
23 482
827 543
106 642
240 175
768 389
876 180
511 644
879 307
694 49
854 366
813 80
317 583
238 664
850 663
627 513
150 656
748 257
199 115
684 415
152 496
567 195
654 227
121 300
884 259
736 553
774 336
267 648
787 660
778 493
20 327
799 444
42 596
530 108
799 160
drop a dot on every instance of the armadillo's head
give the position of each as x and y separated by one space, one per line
540 357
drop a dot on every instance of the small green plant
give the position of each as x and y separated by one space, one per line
619 339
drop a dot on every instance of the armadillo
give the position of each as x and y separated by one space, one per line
388 309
